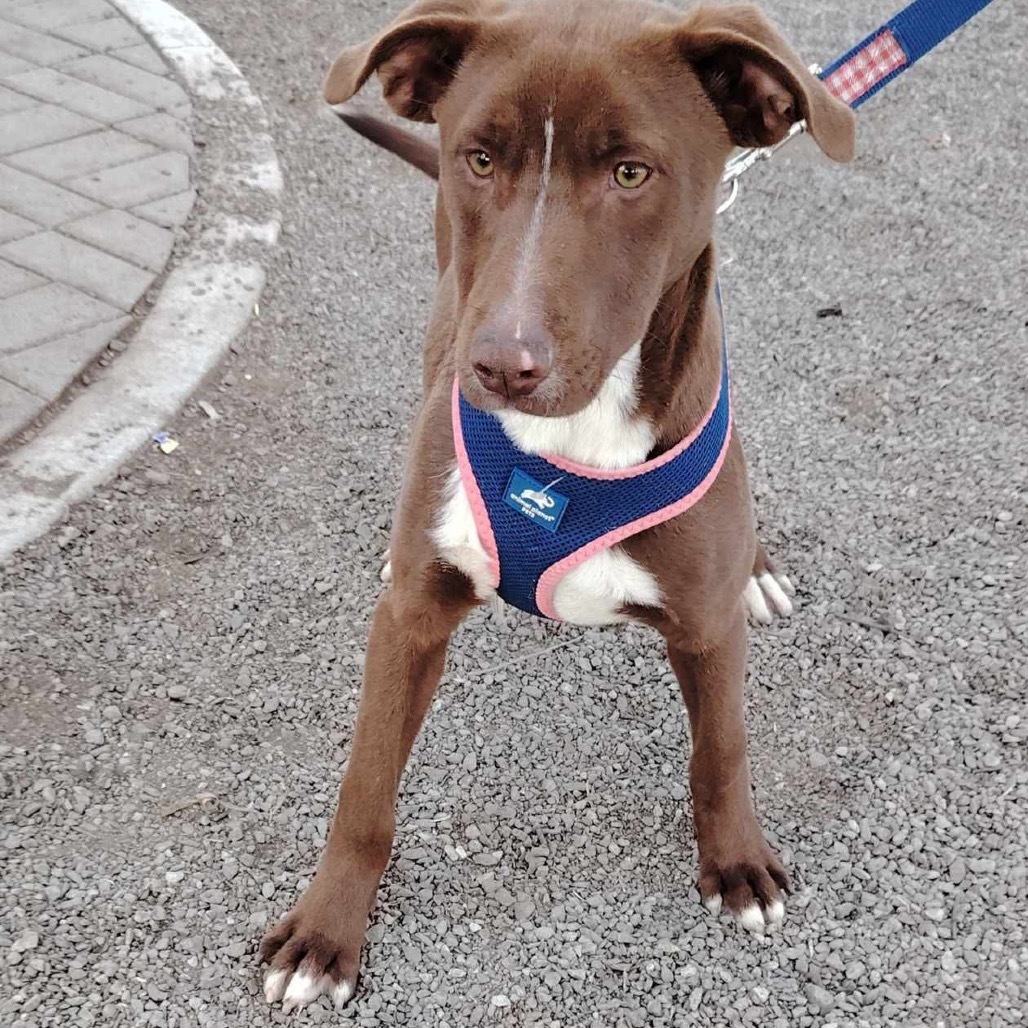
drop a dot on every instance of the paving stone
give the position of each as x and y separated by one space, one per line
144 244
162 130
52 15
138 183
170 212
102 36
142 57
13 227
42 202
44 313
47 369
73 260
16 280
24 130
158 91
13 101
36 47
82 97
11 65
74 158
17 408
93 271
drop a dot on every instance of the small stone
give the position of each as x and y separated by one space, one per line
176 692
26 941
820 1000
94 737
524 910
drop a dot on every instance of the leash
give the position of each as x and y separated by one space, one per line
871 65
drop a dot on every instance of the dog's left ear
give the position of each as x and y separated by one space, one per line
758 83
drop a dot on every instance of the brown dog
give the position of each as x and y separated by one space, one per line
581 147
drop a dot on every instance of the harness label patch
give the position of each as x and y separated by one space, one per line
538 502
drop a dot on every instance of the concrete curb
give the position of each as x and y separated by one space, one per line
205 303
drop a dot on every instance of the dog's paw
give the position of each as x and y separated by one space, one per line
767 595
751 890
386 574
310 956
298 988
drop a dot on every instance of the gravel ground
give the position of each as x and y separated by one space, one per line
179 664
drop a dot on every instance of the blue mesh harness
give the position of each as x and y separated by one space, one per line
538 518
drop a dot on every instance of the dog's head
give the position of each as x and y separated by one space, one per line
581 147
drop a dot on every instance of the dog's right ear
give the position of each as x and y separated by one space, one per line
416 56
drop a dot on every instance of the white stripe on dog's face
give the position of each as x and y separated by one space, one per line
525 275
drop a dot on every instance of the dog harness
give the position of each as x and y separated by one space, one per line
538 517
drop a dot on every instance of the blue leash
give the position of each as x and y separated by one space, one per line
895 46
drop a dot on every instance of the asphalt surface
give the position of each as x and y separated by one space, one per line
179 664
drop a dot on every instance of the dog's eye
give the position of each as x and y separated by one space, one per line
480 163
631 174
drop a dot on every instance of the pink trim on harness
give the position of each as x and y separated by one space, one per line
467 476
552 576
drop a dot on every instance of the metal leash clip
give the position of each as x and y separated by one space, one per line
745 159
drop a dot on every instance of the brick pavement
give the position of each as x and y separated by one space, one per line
95 150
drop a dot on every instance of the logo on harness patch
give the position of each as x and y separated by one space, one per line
536 501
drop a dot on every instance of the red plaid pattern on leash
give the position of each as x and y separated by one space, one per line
866 68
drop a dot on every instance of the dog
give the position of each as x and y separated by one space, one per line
576 341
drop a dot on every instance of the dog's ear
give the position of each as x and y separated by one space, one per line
758 83
416 56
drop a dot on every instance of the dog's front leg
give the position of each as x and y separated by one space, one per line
737 867
315 948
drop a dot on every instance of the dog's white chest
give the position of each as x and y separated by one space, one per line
606 434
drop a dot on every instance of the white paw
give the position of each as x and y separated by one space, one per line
386 574
302 988
753 918
767 595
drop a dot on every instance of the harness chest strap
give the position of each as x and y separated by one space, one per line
539 517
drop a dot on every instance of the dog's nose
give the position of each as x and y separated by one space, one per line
511 366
